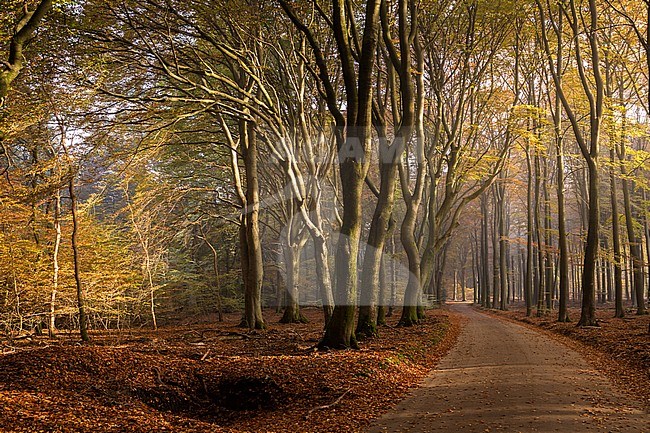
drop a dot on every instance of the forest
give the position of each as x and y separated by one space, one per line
271 178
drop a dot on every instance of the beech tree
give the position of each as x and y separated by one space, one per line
353 138
407 115
593 88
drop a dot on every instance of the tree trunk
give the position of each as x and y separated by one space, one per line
503 242
646 231
389 157
367 320
393 275
81 301
253 281
563 313
323 275
548 254
528 284
412 293
593 88
385 289
496 280
244 264
636 253
55 264
384 293
292 312
563 261
485 274
339 331
463 296
538 234
618 272
475 271
588 312
353 143
411 311
441 263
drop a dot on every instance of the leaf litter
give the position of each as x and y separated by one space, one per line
215 378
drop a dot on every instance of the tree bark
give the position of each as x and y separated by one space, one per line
503 243
411 310
548 254
618 272
563 313
81 300
55 264
538 235
411 296
485 288
588 311
529 281
253 250
636 253
384 293
496 275
367 320
292 312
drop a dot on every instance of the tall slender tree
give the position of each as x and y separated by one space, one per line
593 89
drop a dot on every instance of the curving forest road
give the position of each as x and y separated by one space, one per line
502 376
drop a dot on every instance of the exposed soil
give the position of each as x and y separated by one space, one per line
213 378
501 376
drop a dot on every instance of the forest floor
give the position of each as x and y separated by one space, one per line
620 348
214 377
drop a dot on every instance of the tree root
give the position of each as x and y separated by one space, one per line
327 406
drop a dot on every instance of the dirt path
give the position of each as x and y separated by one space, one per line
501 376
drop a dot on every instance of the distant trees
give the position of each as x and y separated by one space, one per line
600 98
55 263
594 100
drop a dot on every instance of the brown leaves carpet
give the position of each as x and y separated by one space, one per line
214 378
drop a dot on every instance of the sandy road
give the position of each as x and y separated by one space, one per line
501 376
